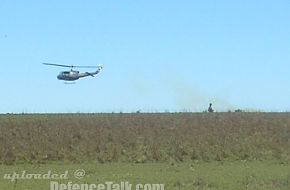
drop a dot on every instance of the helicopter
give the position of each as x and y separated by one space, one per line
73 75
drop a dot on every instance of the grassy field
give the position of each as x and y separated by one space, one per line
141 138
181 150
254 175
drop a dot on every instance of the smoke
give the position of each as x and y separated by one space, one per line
177 94
190 97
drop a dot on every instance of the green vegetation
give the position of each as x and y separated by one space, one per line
240 175
238 150
144 138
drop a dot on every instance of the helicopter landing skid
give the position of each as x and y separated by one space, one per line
69 82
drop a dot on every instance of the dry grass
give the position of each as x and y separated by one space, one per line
142 138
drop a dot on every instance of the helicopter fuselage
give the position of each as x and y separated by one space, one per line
75 75
68 75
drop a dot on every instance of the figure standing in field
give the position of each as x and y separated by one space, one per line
210 108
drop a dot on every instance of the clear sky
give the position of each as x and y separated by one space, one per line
157 55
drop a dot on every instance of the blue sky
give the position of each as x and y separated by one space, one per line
157 55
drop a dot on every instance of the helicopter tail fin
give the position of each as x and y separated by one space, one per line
100 67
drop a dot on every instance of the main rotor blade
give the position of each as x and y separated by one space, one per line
58 65
86 66
71 66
